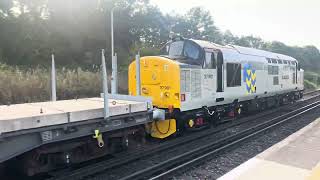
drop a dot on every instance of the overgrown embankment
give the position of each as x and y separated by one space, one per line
19 85
311 80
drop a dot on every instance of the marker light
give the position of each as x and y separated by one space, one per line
183 97
170 108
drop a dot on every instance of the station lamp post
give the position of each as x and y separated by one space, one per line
114 77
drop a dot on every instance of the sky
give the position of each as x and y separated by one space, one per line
294 22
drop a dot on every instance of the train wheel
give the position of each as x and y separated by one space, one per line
300 95
125 142
276 102
263 105
217 119
180 125
238 112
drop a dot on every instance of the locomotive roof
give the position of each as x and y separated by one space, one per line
243 50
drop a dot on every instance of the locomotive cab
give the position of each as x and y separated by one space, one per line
178 81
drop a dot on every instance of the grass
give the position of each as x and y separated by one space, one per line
309 85
17 86
311 80
33 85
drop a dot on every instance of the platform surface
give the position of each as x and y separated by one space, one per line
34 115
296 158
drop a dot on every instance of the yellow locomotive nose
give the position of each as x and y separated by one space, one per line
160 80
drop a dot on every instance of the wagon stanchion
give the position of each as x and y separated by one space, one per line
104 86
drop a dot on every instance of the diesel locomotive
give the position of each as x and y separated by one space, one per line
198 82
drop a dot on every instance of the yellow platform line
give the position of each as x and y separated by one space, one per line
315 174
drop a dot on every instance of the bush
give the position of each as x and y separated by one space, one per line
31 85
312 77
309 85
19 85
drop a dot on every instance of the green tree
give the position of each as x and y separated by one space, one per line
5 8
75 30
197 23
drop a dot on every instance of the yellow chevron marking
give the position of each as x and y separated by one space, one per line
253 89
250 79
249 72
253 76
248 82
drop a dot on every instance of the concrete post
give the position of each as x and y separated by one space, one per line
114 79
138 84
53 80
112 34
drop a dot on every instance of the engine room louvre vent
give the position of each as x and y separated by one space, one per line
185 81
195 83
275 80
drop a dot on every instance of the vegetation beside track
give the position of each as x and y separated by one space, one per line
312 80
31 85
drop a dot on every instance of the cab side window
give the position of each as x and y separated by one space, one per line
210 61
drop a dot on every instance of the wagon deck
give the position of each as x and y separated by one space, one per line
34 115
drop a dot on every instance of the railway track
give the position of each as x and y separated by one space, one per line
125 158
312 92
165 168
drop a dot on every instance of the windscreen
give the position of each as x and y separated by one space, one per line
185 50
176 48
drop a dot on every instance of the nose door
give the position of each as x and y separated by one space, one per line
219 72
209 75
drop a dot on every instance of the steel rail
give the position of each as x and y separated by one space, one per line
176 163
311 92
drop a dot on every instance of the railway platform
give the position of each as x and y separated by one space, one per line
296 157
